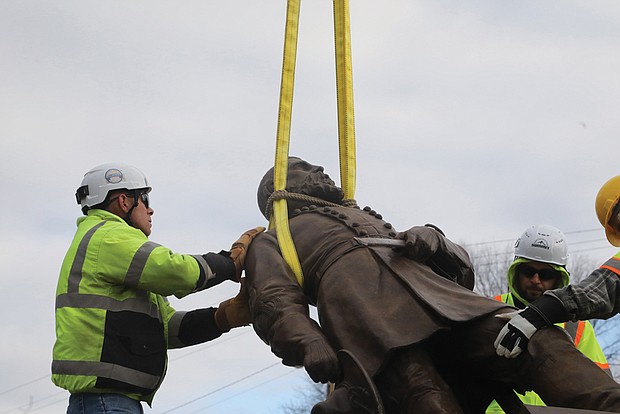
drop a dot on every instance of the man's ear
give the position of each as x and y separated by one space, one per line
123 202
119 205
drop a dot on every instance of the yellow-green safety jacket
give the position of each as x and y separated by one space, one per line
113 321
581 332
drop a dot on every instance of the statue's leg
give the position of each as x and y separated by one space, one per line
355 393
564 377
552 367
410 384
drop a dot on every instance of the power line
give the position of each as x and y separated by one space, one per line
513 239
243 392
32 402
63 399
221 388
23 385
210 344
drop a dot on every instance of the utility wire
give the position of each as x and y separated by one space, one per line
29 408
221 388
244 391
23 385
513 239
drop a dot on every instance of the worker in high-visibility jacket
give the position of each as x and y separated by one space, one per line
540 264
595 297
113 321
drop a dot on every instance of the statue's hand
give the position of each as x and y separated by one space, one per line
421 242
321 362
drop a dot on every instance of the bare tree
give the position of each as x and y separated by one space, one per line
306 398
491 262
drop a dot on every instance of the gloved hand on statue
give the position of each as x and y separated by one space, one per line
321 362
514 336
234 312
240 247
421 242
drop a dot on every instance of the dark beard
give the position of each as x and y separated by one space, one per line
321 186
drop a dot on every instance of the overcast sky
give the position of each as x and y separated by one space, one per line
482 117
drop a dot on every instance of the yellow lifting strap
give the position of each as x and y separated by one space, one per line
344 86
346 128
279 218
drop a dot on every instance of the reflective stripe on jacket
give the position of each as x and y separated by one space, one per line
113 320
582 334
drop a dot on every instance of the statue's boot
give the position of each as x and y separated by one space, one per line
355 394
410 384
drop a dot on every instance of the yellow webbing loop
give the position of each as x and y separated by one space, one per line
346 124
279 218
344 86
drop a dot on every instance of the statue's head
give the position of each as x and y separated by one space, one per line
302 178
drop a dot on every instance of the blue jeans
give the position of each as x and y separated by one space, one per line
86 403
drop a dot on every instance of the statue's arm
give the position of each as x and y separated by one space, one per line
428 244
280 312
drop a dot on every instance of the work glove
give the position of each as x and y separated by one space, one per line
421 242
514 336
234 312
240 247
321 362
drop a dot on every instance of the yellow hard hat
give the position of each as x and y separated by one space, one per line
606 200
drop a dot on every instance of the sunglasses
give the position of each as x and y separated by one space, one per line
144 196
543 274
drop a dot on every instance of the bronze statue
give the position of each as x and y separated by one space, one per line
398 310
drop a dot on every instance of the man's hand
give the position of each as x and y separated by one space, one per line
514 336
240 247
234 312
321 362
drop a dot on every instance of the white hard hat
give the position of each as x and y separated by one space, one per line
542 243
99 181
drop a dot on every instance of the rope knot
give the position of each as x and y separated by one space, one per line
283 194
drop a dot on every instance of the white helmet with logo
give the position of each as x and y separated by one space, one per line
99 181
542 243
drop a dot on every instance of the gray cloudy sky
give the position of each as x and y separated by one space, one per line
483 117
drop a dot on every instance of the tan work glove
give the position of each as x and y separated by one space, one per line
240 247
234 312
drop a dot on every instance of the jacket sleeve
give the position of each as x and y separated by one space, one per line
193 327
127 258
280 310
595 297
